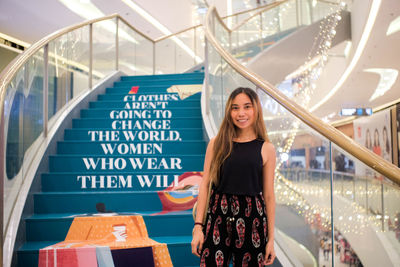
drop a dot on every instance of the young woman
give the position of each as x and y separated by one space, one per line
240 162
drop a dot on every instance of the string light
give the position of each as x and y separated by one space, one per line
305 81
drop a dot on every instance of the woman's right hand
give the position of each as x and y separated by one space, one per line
198 240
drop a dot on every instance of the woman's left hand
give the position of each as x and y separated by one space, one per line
269 253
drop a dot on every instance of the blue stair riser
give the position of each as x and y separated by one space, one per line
47 229
129 84
39 229
147 136
85 202
145 104
178 225
156 78
117 94
110 181
180 255
113 94
123 114
138 113
29 258
148 90
144 97
137 163
138 124
130 148
149 153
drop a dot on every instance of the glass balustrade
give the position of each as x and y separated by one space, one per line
69 70
135 51
356 211
179 52
127 60
71 59
199 42
104 48
68 67
144 55
91 52
269 25
292 206
23 108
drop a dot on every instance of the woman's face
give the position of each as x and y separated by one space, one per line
242 111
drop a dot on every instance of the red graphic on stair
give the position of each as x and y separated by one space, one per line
179 197
134 90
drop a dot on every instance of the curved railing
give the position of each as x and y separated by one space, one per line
334 135
43 82
40 84
364 208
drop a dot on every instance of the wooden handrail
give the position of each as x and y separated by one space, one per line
338 138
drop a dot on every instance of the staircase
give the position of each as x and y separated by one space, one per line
119 156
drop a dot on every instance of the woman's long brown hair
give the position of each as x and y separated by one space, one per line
227 132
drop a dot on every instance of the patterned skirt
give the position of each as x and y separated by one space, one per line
236 229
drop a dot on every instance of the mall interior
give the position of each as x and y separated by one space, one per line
107 108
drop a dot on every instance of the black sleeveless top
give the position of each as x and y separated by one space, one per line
241 172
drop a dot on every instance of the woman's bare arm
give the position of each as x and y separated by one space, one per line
205 182
269 162
198 237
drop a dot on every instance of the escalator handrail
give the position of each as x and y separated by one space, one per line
349 145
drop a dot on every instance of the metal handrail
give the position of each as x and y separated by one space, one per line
338 173
361 153
268 7
224 17
133 28
248 10
8 74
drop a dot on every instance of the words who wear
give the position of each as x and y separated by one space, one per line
135 163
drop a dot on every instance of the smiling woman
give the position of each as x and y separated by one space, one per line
240 163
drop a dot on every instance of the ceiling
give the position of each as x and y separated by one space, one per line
47 16
380 52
